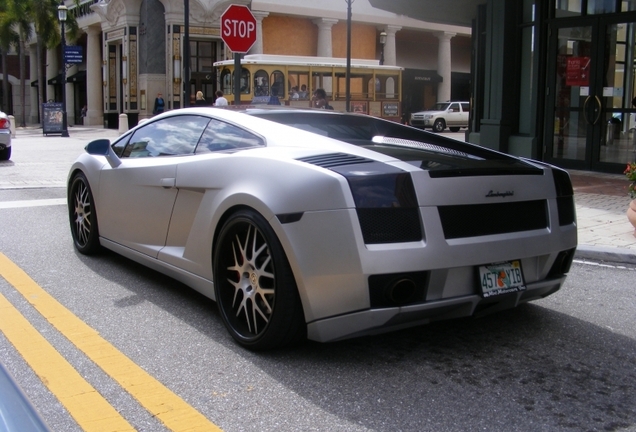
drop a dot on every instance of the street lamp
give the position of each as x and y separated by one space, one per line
382 42
62 11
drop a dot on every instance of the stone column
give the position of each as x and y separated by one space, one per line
94 84
390 56
257 48
52 70
444 65
33 94
325 48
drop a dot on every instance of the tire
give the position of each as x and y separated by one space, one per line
439 125
254 286
5 154
82 216
454 129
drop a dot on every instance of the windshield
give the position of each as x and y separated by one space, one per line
440 106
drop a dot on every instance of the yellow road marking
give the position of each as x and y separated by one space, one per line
89 409
174 412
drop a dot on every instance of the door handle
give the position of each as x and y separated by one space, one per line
168 183
598 110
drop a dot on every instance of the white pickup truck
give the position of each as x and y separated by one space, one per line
453 115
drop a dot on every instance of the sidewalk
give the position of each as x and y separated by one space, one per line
601 207
604 233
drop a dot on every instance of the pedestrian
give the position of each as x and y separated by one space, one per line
220 100
273 99
319 100
160 104
200 101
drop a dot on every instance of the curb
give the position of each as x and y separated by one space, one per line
599 253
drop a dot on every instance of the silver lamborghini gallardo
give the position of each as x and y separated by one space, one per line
324 225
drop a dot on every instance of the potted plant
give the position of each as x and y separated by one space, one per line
630 173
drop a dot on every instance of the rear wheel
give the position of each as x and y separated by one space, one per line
254 286
439 125
5 154
454 129
81 211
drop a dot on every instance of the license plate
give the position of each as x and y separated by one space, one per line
501 278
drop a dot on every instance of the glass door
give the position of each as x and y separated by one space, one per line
592 111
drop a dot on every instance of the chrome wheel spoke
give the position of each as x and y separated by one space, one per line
252 277
82 214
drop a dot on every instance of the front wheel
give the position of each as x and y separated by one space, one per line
81 212
254 286
439 125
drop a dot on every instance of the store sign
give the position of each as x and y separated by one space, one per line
577 71
73 54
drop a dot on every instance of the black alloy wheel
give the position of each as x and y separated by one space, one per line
254 286
82 216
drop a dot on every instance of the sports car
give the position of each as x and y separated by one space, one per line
324 225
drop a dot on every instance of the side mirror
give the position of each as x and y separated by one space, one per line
99 147
451 110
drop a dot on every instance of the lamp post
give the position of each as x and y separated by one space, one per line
382 42
61 14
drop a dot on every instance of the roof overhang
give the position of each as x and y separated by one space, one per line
453 12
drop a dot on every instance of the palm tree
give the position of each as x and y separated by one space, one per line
43 15
8 38
19 15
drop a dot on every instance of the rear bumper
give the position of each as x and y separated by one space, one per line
5 138
375 321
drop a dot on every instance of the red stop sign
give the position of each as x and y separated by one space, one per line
238 28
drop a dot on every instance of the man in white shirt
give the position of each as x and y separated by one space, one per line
220 100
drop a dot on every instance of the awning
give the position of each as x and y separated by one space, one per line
55 80
421 75
79 76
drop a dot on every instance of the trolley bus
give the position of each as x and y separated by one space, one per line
374 89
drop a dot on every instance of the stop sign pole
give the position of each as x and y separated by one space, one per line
238 31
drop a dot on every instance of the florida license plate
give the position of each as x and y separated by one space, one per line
501 278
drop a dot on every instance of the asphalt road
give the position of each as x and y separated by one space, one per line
563 363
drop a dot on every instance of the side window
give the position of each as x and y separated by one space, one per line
120 145
166 137
226 81
278 84
261 83
219 136
454 107
466 107
245 81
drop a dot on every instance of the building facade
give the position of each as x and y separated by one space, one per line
134 50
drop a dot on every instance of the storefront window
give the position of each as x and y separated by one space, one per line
601 6
567 8
202 54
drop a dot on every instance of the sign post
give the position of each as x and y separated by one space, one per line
238 31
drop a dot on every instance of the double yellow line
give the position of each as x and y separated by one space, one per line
89 408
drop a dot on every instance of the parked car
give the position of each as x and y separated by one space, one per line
5 137
453 115
17 414
329 226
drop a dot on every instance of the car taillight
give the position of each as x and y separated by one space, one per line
5 124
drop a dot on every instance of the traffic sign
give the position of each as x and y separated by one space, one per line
238 28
